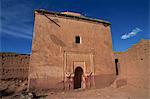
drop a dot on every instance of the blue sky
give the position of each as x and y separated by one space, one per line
129 19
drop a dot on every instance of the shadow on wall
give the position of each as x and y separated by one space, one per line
57 41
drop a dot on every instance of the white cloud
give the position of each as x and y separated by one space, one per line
20 35
131 34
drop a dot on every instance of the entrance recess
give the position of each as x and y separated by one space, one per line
78 77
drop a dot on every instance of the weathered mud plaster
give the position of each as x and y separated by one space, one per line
56 53
14 66
134 65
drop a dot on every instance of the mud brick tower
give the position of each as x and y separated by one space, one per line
70 51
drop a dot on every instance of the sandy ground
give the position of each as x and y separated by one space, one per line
18 90
125 92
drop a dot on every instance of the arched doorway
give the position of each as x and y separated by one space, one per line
78 77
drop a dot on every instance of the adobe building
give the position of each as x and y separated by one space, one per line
14 66
133 65
70 51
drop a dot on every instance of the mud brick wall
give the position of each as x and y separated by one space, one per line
14 66
134 64
56 55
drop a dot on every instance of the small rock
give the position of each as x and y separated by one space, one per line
63 93
22 96
30 94
52 93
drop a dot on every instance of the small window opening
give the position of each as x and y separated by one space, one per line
116 63
77 39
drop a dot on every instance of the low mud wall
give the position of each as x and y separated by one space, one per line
14 66
134 64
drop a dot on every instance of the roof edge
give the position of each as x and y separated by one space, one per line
42 11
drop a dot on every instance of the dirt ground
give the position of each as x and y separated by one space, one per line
18 90
125 92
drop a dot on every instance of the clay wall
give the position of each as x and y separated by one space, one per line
55 53
134 64
14 66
